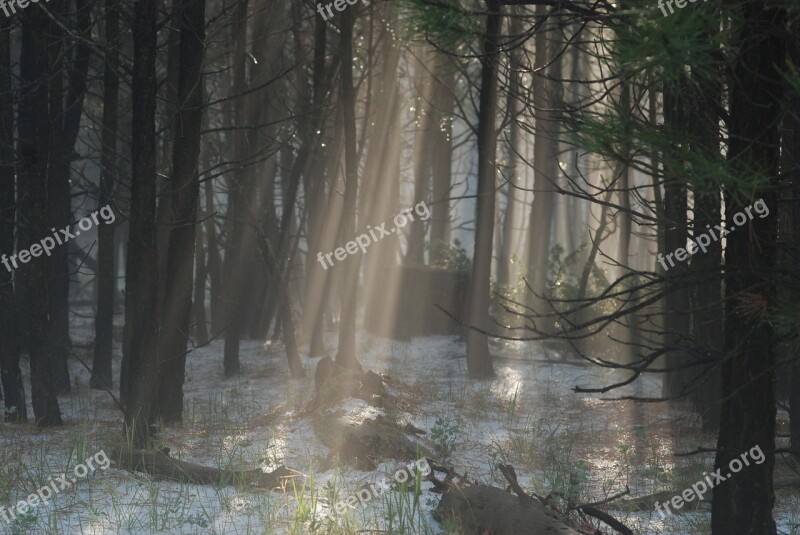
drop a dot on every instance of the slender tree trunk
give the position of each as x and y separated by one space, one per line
237 206
677 319
138 383
347 356
34 151
707 306
743 504
422 155
216 303
59 209
479 361
200 275
544 157
314 185
10 374
104 321
184 191
442 143
516 103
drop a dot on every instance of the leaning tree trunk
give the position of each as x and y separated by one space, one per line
139 381
104 321
479 361
184 190
10 374
743 504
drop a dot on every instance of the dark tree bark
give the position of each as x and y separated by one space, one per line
10 374
677 318
346 356
139 370
214 266
235 253
59 207
200 275
707 308
743 504
104 321
314 185
184 190
479 361
790 153
34 136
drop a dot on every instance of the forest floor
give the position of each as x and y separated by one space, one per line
527 416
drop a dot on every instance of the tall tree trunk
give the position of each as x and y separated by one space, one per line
10 374
677 319
422 154
34 151
347 356
707 307
200 276
442 148
184 190
235 253
59 207
216 304
314 186
790 153
138 383
743 504
544 157
515 101
479 361
104 321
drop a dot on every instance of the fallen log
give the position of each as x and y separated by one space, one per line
160 465
476 510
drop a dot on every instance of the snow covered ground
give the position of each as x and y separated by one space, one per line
528 416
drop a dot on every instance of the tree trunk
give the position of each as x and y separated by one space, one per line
442 143
347 356
216 303
138 383
235 253
707 306
10 374
34 153
59 209
104 321
677 318
200 275
515 101
479 361
184 190
743 504
544 159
